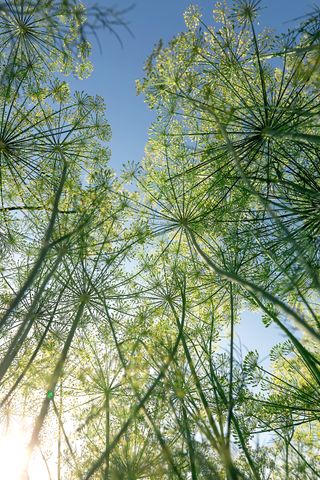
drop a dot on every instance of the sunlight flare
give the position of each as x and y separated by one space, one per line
13 454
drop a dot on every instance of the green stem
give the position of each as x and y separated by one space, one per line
253 288
42 254
53 383
231 367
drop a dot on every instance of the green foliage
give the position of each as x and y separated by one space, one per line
119 306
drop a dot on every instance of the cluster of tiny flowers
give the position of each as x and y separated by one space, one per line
192 17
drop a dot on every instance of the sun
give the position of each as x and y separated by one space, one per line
13 453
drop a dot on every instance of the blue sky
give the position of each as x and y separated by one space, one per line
117 68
